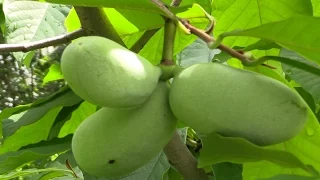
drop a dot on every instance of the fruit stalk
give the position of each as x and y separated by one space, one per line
182 159
168 42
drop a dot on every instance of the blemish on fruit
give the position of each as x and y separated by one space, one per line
111 161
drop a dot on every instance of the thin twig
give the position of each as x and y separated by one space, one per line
147 35
25 47
207 38
165 9
182 159
175 3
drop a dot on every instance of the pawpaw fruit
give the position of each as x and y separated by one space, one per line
216 98
116 141
105 73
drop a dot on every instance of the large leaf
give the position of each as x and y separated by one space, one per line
125 22
308 81
14 159
139 5
252 14
29 21
13 123
298 33
154 169
217 149
32 133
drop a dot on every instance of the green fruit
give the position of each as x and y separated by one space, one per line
116 141
105 73
213 97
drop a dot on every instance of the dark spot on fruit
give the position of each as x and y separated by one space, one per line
80 43
111 161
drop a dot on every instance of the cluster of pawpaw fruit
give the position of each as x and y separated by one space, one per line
139 112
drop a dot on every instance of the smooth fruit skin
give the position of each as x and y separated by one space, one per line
115 141
105 73
212 97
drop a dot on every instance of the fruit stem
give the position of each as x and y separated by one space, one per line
182 159
96 23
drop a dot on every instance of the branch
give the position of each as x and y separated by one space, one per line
25 47
143 40
208 39
175 3
182 159
165 9
96 23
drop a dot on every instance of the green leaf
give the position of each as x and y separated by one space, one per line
197 52
17 174
291 177
13 123
218 149
287 33
153 49
28 21
139 5
53 74
13 159
126 22
154 169
30 134
172 174
308 81
316 7
252 14
227 171
77 116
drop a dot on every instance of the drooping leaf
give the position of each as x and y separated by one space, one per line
14 159
30 134
217 149
28 21
53 74
298 33
308 81
13 123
